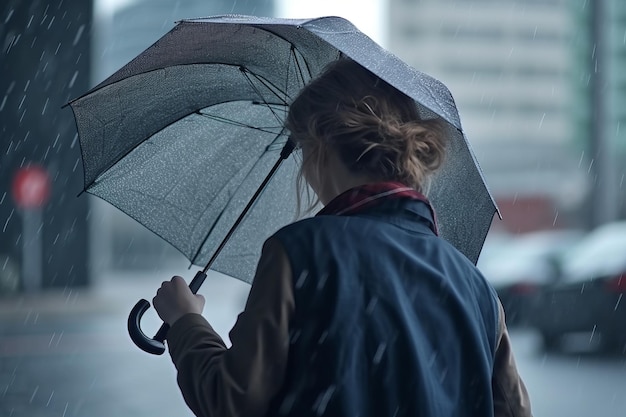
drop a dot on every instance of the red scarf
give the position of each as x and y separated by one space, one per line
359 198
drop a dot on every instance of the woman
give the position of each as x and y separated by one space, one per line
361 310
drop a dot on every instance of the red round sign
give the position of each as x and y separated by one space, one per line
31 187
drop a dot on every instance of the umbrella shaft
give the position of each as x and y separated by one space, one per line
288 148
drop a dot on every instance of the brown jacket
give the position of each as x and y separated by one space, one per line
241 380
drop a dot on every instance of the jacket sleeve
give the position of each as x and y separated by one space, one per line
510 398
239 381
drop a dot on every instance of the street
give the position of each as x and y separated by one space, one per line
69 354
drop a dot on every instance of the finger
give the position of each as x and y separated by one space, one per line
177 280
164 286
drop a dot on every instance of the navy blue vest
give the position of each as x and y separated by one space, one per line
390 319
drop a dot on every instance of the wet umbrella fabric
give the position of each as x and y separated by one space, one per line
181 137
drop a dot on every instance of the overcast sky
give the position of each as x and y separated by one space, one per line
368 16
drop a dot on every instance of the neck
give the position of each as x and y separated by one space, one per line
341 179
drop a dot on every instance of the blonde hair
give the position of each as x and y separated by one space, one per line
375 129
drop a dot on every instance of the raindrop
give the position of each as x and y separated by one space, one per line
541 121
56 140
370 306
443 375
30 21
58 47
4 194
4 101
593 332
22 101
51 21
50 398
556 216
322 337
322 282
32 397
432 359
45 106
6 223
22 116
59 339
73 79
618 301
27 316
74 140
9 16
593 52
301 278
79 33
322 401
379 353
287 404
75 165
45 156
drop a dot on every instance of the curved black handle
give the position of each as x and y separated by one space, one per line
156 345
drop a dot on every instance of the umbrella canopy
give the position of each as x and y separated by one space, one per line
181 137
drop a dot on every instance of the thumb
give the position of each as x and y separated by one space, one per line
201 299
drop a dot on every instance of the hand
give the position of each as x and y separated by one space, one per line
174 299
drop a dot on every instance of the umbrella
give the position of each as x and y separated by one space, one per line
184 137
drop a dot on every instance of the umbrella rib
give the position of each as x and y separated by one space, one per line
255 88
214 225
274 89
297 62
236 123
271 87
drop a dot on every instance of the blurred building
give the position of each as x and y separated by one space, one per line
119 36
616 90
513 71
129 30
43 240
616 27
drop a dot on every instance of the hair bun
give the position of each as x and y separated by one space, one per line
375 128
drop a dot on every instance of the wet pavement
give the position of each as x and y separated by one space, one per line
67 353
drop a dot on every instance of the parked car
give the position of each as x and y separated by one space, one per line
519 266
588 297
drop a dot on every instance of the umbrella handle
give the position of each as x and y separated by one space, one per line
154 345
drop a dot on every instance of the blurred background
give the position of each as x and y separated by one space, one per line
541 91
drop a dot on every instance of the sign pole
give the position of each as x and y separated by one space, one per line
32 249
31 190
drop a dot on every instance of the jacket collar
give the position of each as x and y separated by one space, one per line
368 197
